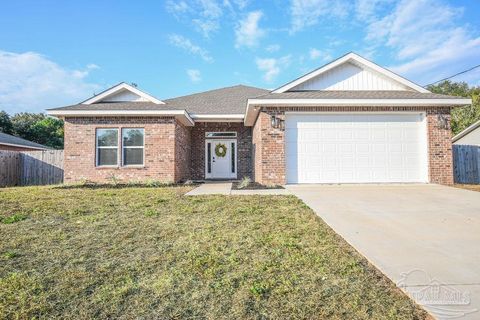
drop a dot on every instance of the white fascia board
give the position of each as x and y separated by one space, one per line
354 57
119 87
254 105
466 131
181 115
21 146
218 117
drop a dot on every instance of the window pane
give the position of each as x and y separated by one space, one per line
220 134
209 157
132 156
107 157
132 137
107 137
233 157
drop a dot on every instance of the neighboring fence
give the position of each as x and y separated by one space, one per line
466 163
31 168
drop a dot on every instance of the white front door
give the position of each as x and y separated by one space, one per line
221 159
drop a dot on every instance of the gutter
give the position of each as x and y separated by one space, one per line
181 115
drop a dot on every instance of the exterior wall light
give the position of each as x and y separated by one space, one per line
277 123
442 122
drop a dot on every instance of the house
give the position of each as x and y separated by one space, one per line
12 143
350 121
469 136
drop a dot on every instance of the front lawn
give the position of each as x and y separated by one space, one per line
82 253
473 187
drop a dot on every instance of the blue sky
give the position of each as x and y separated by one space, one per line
55 53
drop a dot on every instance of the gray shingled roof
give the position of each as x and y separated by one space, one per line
9 139
233 100
127 105
355 95
230 100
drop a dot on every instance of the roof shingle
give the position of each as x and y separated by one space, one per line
9 139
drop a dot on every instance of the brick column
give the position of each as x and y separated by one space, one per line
440 161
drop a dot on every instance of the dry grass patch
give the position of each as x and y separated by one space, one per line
473 187
83 253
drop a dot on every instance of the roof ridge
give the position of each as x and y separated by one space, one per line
217 89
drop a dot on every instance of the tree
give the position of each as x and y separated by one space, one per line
49 132
462 117
23 124
5 123
39 128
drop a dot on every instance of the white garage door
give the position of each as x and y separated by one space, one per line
356 148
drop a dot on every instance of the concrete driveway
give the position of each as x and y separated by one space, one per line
425 238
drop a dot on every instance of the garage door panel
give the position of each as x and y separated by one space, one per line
356 148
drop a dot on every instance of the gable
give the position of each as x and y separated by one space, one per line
349 76
122 92
124 96
349 73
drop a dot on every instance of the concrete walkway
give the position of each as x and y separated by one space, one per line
425 238
225 188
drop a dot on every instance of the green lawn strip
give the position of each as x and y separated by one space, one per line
153 253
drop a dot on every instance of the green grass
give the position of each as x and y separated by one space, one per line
85 253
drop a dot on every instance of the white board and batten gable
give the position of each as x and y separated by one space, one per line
349 73
123 92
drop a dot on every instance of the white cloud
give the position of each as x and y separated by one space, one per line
273 48
305 13
366 10
318 54
32 83
248 33
272 66
194 75
427 42
177 7
205 15
187 45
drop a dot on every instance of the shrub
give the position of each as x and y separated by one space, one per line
244 183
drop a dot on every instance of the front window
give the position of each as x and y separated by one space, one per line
133 146
107 147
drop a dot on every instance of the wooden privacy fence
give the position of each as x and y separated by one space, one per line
31 168
466 163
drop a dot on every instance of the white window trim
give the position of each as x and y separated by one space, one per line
105 147
133 147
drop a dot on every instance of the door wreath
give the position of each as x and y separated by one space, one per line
220 150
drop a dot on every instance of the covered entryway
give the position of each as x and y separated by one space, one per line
356 147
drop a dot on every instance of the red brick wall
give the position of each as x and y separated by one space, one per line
244 147
12 148
269 149
270 153
440 160
159 162
182 152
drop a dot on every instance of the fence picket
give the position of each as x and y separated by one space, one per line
31 168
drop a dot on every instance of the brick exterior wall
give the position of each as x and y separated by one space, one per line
12 148
269 147
160 151
440 157
244 147
182 152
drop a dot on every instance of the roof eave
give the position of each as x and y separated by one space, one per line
466 131
22 146
254 105
180 115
